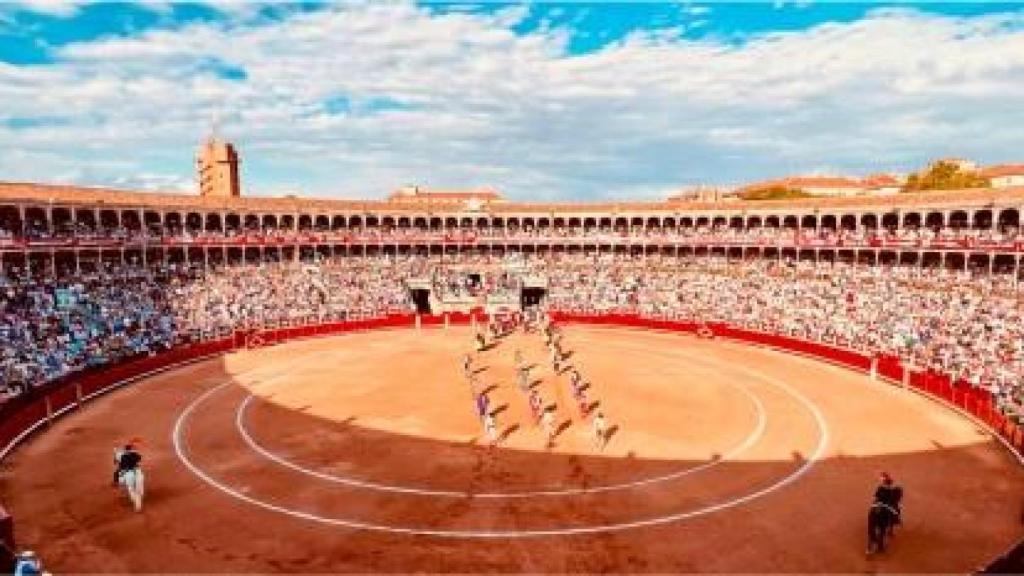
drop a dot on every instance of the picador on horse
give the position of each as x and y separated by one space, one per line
125 459
128 473
885 513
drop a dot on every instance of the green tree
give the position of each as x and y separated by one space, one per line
943 175
773 193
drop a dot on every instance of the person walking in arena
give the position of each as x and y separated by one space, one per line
556 361
575 379
491 429
523 377
467 365
536 406
582 402
483 404
548 422
600 428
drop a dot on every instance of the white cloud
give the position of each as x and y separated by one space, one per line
458 99
693 10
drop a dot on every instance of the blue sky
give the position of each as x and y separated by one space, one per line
547 101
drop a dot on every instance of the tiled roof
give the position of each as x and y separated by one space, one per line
125 199
1002 170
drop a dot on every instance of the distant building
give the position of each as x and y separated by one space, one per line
1004 175
882 184
962 164
217 162
831 186
471 200
814 185
702 194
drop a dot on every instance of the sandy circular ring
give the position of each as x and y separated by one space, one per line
823 439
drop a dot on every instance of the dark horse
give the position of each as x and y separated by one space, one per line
881 519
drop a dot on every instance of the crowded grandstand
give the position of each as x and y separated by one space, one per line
933 281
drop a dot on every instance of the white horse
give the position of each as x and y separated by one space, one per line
133 481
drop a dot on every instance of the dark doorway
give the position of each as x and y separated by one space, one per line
421 298
532 297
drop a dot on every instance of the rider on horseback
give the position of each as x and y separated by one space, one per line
126 459
889 494
884 513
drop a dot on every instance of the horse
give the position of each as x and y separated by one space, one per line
881 519
133 481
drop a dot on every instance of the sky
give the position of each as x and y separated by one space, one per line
542 101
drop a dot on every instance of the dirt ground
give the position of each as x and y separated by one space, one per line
363 453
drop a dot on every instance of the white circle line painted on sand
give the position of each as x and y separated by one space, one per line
823 439
751 439
747 442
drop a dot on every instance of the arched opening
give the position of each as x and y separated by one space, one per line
193 222
85 220
982 220
1009 219
131 220
213 223
60 221
252 223
172 223
109 221
912 220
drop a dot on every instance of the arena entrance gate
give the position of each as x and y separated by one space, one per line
421 298
532 297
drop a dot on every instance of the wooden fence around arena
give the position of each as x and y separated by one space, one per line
22 416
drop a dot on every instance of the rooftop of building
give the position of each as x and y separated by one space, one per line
44 194
999 170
